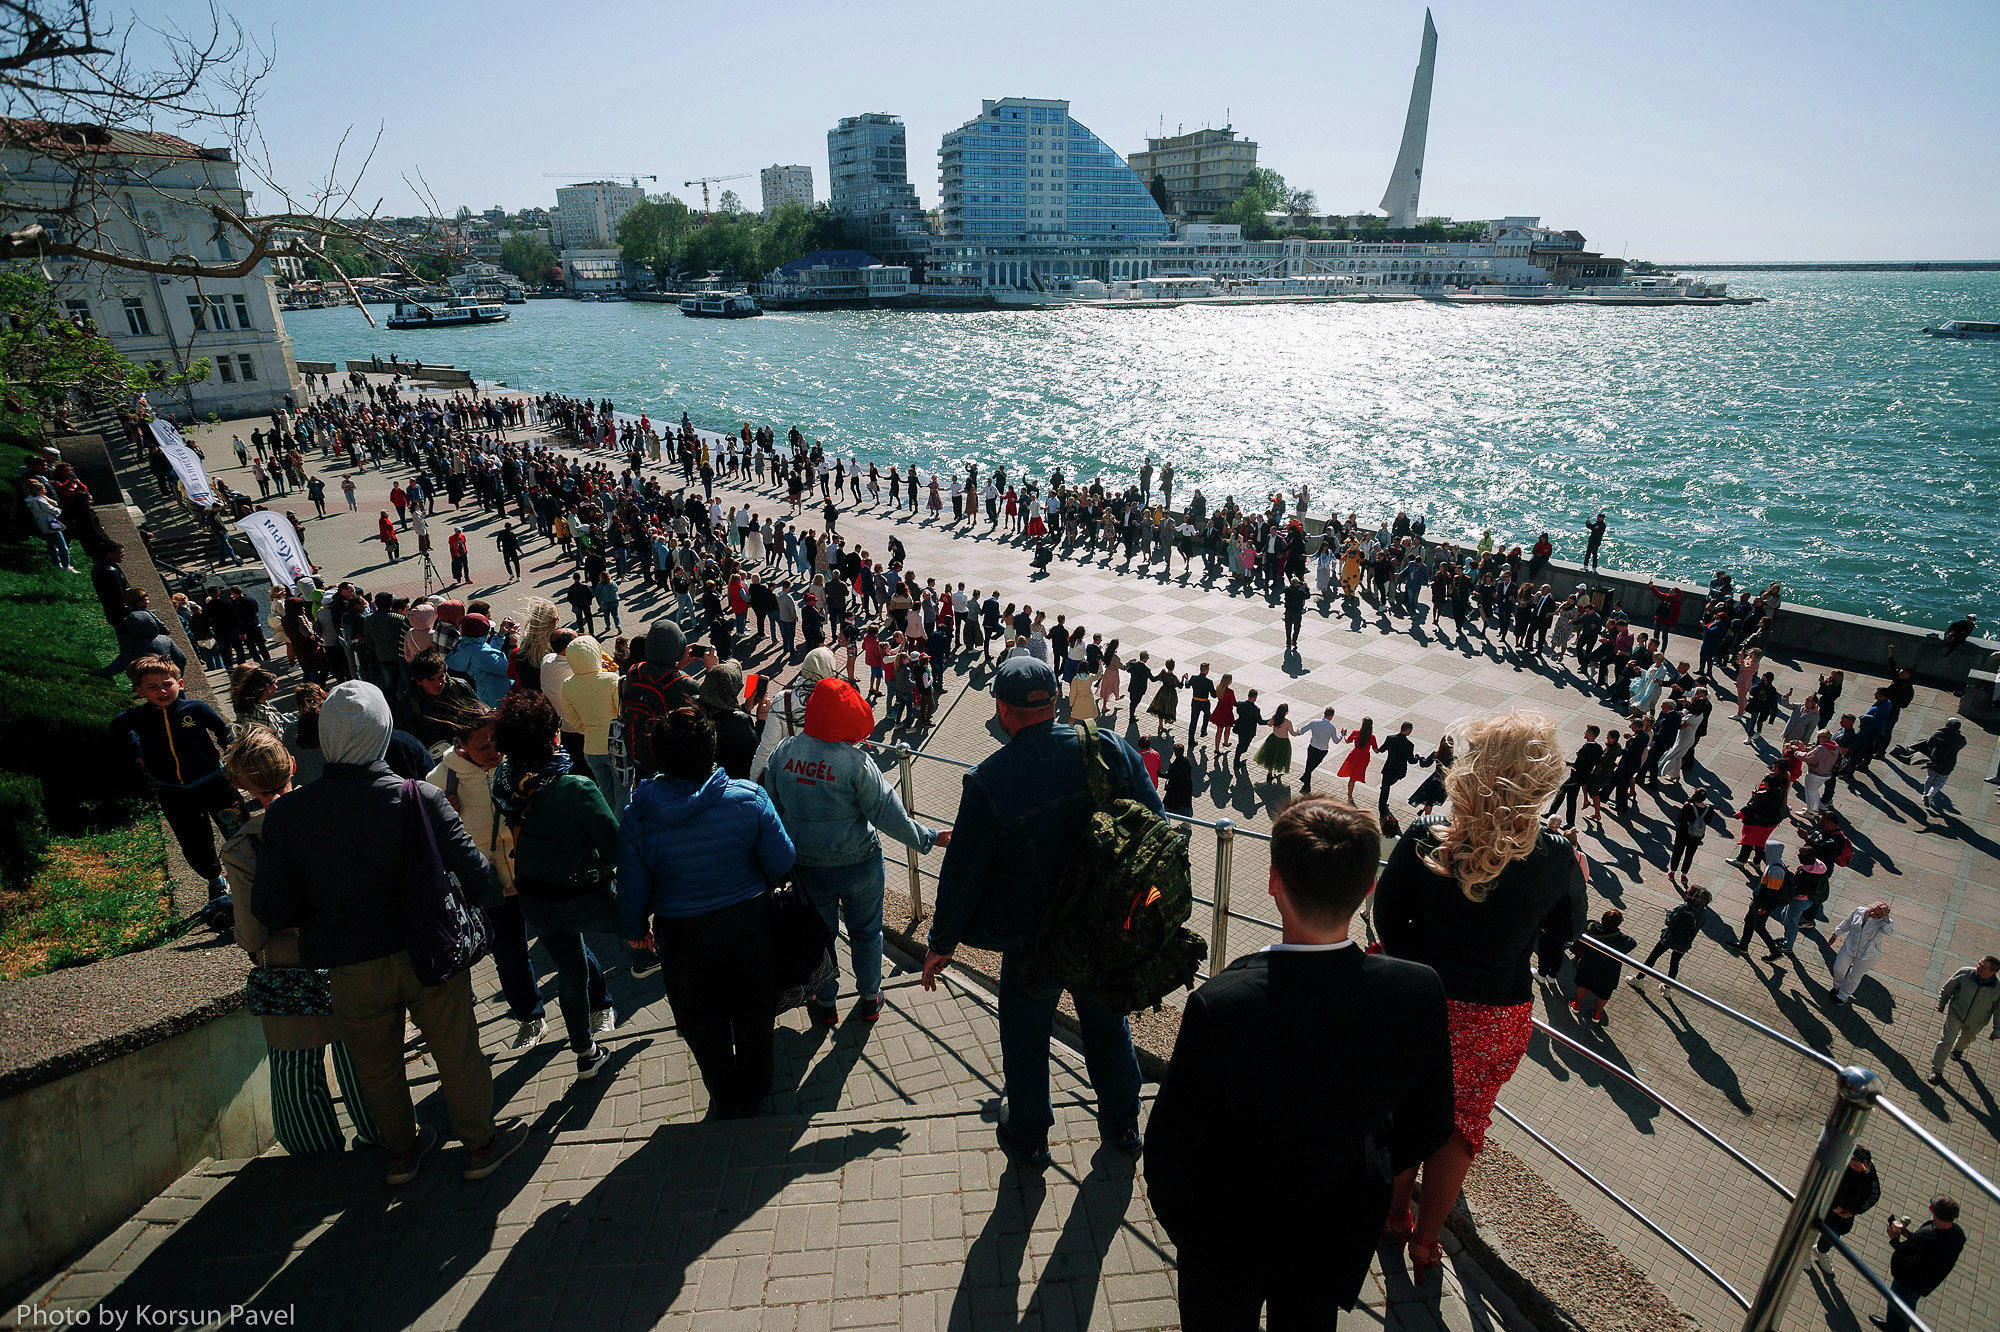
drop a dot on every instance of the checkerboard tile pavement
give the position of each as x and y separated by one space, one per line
1942 877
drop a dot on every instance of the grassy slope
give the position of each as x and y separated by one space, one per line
103 889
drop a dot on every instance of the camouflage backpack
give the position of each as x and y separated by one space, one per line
1118 926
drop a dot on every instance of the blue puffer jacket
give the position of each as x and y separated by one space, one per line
485 664
688 848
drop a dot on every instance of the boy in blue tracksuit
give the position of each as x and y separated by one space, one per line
178 742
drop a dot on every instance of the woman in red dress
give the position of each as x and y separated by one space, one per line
1469 896
1355 766
1223 718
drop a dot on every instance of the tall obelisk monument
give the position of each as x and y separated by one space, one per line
1399 201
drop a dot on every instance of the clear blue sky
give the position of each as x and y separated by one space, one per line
1668 131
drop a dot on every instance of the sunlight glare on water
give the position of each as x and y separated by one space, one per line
1820 439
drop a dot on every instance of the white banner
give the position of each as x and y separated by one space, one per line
187 464
284 558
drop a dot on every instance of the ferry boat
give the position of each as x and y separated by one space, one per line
414 312
719 305
1966 328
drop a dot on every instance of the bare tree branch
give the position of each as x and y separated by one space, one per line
68 84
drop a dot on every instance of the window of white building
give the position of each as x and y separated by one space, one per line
248 368
135 318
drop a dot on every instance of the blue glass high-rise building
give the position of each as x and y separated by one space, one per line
1030 193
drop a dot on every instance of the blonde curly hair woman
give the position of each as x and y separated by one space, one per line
527 659
1470 895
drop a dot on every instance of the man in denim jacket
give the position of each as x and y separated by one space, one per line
1023 813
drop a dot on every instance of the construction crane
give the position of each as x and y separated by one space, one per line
707 181
599 175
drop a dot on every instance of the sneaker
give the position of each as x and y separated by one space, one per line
1126 1138
529 1033
869 1009
403 1165
822 1015
645 965
1823 1260
590 1061
1663 987
1935 1079
483 1161
603 1021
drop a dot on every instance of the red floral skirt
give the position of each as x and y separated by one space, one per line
1487 1042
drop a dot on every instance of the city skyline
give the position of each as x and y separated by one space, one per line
1790 133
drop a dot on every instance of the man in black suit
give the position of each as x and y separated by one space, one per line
1398 753
1303 1079
1588 755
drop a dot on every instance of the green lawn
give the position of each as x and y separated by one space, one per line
95 896
99 886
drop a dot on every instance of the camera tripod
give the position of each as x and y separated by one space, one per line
432 578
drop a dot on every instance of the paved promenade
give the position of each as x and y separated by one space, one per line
1941 876
873 1195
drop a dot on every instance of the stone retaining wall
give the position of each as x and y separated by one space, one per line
118 1077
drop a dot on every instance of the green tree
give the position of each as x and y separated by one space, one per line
1264 191
528 258
788 233
656 234
336 257
729 203
45 356
728 244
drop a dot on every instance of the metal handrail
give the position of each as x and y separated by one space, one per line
1930 1140
1630 1210
1797 1047
1636 1083
1859 1092
1868 1274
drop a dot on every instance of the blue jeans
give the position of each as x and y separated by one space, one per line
1791 913
605 773
1891 1316
559 924
854 893
1027 1018
510 959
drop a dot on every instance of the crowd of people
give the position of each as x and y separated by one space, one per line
649 788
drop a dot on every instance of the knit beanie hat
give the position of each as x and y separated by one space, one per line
837 712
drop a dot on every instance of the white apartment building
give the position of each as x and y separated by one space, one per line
587 214
161 213
786 184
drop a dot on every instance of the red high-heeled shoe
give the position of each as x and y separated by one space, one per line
1425 1257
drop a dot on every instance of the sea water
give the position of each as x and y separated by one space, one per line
1821 438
